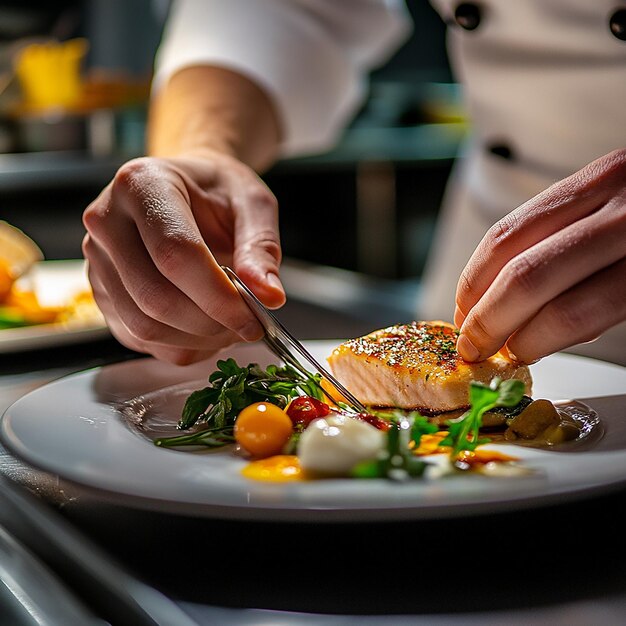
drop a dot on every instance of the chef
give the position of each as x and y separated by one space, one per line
240 83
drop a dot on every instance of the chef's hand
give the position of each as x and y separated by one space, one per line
552 273
156 237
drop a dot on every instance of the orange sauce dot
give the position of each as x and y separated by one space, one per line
279 468
429 444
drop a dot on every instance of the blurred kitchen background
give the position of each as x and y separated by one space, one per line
74 82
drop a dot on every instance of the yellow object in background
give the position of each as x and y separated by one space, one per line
18 252
6 280
50 74
25 297
27 305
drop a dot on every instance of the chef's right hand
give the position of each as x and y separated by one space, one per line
551 273
156 237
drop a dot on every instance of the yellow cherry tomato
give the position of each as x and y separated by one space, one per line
263 429
279 468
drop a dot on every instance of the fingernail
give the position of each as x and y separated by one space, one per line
459 318
467 349
513 357
273 281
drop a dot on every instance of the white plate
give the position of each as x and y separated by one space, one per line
54 282
73 428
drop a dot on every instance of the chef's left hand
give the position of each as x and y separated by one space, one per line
552 273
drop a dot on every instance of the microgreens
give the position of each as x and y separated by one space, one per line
463 432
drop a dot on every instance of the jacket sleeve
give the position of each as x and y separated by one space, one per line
310 56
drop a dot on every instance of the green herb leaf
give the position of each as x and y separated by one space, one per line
196 405
421 426
231 388
211 437
464 433
510 392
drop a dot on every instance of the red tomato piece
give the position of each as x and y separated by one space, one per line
304 410
373 420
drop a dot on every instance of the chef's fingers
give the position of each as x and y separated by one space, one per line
180 356
134 272
138 331
579 315
243 227
141 326
257 252
558 206
105 304
539 275
153 194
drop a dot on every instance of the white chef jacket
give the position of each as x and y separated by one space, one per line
545 86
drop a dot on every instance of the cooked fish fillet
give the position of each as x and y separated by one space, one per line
416 366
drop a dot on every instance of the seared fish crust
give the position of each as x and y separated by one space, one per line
416 366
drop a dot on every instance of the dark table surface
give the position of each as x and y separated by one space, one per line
562 563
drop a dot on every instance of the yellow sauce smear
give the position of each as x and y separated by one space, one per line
279 468
286 468
482 457
429 444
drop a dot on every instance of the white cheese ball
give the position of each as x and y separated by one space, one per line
335 444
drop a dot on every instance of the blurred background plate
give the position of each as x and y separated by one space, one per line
55 283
